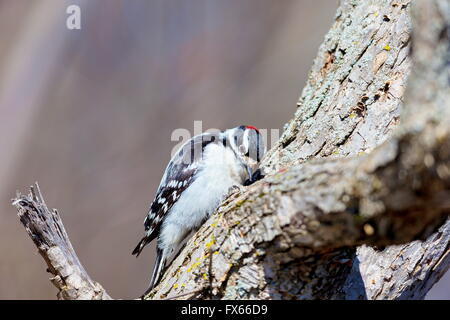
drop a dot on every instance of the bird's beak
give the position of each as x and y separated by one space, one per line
250 173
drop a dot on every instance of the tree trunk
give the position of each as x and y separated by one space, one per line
350 208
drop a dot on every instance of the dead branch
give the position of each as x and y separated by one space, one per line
49 235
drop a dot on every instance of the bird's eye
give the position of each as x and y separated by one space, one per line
244 151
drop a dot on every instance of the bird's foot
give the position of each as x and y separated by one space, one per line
235 189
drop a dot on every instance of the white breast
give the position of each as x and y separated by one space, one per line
217 174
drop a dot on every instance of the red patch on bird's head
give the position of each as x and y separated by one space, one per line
252 128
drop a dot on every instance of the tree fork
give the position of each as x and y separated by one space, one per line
366 217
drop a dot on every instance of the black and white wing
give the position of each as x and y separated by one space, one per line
179 175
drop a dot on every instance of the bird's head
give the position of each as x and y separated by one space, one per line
248 145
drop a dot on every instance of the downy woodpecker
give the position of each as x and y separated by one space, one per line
196 180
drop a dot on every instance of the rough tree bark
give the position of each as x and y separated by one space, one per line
350 208
48 233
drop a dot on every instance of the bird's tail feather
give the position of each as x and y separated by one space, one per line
140 246
157 270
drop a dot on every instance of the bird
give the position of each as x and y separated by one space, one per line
198 177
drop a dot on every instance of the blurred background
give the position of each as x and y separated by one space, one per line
89 113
